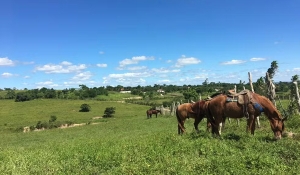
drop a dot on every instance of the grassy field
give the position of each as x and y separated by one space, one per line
131 144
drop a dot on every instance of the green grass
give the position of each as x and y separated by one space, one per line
131 144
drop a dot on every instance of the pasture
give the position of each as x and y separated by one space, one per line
129 143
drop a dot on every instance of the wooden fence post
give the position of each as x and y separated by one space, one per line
271 89
297 95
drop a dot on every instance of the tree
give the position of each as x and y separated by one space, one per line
190 95
272 70
85 108
109 111
10 94
259 86
22 96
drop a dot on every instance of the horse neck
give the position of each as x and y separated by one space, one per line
269 109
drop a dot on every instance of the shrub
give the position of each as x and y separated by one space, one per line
39 125
32 128
52 118
85 108
109 111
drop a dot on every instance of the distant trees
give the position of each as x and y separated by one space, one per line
83 92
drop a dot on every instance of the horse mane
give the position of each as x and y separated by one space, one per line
269 107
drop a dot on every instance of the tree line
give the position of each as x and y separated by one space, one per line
188 91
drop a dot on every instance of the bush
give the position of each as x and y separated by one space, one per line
85 108
109 111
52 118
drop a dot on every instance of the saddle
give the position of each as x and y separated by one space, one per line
243 97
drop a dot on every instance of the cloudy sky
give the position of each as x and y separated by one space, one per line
64 43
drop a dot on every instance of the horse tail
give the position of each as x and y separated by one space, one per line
210 117
180 123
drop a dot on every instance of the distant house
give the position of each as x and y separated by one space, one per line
125 92
160 91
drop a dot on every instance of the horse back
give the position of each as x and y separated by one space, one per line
185 111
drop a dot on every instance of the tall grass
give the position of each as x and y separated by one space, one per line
131 144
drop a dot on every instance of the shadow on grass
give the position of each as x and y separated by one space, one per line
200 134
232 136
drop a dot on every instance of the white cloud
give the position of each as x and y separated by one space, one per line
134 60
102 65
101 52
296 69
83 76
26 76
186 61
163 70
164 81
127 75
63 67
233 62
6 62
66 63
137 68
257 59
30 62
6 75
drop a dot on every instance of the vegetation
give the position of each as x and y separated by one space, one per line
85 108
131 144
109 111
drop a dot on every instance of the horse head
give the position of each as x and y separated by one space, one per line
277 127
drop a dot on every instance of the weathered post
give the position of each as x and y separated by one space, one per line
172 109
250 81
297 95
162 110
271 89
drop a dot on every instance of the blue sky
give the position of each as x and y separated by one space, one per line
64 43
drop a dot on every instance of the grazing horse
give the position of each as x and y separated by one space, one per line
195 110
246 104
152 111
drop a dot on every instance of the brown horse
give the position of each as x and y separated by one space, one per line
195 110
152 111
252 105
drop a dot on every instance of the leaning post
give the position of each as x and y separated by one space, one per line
271 89
250 82
297 95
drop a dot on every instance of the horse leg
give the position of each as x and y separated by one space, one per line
220 128
208 125
181 128
224 120
257 122
251 124
196 123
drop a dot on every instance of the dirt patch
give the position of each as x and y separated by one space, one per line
27 129
288 134
98 117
